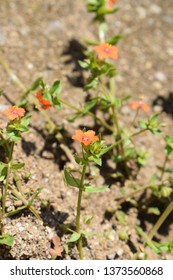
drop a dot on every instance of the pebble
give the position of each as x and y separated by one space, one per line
160 76
119 252
54 25
142 13
157 85
111 257
155 9
157 109
21 229
170 51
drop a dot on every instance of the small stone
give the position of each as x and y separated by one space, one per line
8 203
111 257
170 51
160 76
18 203
155 9
157 85
142 13
54 25
148 65
30 66
157 109
119 252
21 229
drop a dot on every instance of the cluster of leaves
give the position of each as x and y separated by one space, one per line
100 10
8 168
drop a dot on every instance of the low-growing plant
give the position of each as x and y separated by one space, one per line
92 150
18 124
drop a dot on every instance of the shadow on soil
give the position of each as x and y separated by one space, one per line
166 103
75 52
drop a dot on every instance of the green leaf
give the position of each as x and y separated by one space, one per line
97 160
25 121
70 180
16 211
87 218
36 193
6 239
121 216
52 94
83 64
115 39
153 210
89 105
74 237
17 165
92 189
86 233
3 171
36 84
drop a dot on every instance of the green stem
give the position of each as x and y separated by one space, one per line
79 110
25 202
160 221
164 167
124 198
131 136
18 82
5 190
79 244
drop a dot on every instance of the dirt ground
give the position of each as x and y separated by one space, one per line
45 39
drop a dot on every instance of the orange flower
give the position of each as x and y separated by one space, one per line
105 50
14 112
85 137
139 104
45 104
110 4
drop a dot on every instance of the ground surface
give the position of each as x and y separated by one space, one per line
44 38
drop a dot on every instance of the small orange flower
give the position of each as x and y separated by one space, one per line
45 104
105 50
110 4
139 104
14 112
85 137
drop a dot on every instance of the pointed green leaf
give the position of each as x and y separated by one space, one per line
121 216
70 180
74 237
153 210
86 233
17 165
92 189
3 171
6 239
97 160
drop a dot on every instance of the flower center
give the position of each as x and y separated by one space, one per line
140 102
85 138
15 112
106 50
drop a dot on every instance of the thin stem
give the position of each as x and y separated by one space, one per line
123 199
5 190
131 136
18 82
14 78
79 110
25 202
160 221
164 167
18 182
79 244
